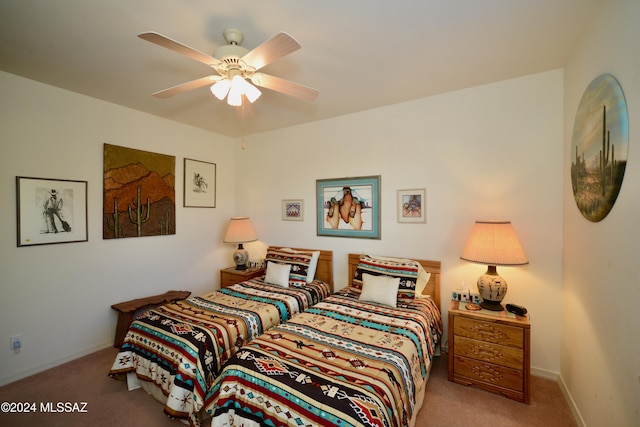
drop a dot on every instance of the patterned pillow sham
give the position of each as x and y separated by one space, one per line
406 270
313 265
299 262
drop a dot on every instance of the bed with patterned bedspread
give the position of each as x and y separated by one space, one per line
343 362
176 351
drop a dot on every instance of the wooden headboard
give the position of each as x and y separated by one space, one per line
433 267
324 270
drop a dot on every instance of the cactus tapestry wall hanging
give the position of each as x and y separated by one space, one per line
599 148
139 193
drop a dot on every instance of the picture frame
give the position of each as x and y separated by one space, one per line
50 211
139 194
348 207
412 206
199 184
292 210
599 147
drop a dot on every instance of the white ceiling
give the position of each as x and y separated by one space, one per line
360 54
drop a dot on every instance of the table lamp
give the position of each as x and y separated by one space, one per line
240 230
493 243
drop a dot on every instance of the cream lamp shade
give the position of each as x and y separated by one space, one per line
493 243
240 230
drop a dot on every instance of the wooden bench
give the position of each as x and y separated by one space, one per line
127 310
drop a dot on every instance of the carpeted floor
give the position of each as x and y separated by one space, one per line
108 403
453 405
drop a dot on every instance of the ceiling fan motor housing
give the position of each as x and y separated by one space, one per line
232 49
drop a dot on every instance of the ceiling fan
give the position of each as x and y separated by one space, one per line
236 68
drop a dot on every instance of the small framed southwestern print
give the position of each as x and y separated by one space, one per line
349 207
292 210
51 211
412 205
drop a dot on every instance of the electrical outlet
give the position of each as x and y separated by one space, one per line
16 342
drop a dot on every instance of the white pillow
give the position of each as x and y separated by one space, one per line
313 264
423 279
380 289
278 274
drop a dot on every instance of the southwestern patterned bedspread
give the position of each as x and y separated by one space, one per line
180 347
343 362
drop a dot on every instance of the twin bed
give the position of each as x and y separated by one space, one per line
360 356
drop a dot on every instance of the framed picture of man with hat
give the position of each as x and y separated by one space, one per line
51 211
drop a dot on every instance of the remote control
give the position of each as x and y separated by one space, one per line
516 309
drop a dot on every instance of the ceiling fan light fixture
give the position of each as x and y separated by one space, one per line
235 93
256 78
239 87
251 92
221 88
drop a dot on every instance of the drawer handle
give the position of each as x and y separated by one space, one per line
487 373
488 353
488 331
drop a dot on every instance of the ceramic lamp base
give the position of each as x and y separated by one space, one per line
241 257
492 305
492 289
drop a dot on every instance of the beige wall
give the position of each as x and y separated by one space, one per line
488 152
59 296
600 358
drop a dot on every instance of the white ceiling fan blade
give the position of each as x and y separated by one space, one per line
185 87
182 49
276 47
284 86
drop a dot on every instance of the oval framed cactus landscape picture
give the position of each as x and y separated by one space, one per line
599 148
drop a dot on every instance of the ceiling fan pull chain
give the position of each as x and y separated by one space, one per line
244 146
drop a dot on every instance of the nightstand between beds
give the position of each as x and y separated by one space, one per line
230 276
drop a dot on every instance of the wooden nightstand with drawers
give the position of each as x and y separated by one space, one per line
231 276
490 350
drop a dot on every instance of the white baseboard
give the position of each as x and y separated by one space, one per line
544 373
572 404
555 376
37 369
